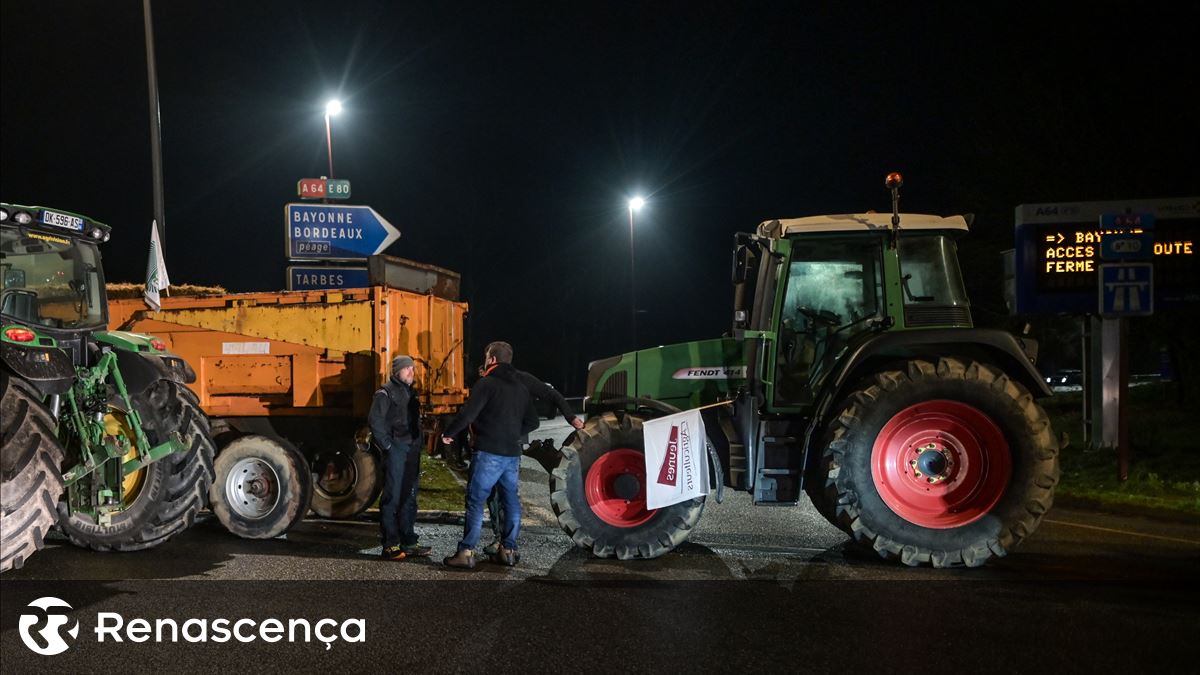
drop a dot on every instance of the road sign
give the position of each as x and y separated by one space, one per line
337 188
1129 246
336 232
311 188
1126 289
318 278
1059 248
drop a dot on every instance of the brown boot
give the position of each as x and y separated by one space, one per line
506 556
464 559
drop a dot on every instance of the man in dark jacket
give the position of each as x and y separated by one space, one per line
499 414
543 454
395 421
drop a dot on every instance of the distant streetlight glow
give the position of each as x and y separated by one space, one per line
635 204
333 107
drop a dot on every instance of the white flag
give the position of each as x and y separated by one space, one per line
156 270
676 459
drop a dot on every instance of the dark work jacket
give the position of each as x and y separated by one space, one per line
542 390
498 411
395 415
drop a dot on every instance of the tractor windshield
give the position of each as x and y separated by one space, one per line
929 271
50 281
834 286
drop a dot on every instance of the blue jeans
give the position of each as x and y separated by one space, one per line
489 471
398 503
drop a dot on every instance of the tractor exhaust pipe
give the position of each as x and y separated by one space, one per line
894 181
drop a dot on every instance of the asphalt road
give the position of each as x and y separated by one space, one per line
754 587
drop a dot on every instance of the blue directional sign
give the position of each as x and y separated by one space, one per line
320 278
336 232
1126 289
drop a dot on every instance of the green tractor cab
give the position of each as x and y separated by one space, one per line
854 374
101 437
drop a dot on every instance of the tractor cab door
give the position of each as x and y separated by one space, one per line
833 291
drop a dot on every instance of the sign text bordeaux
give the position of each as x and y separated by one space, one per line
335 232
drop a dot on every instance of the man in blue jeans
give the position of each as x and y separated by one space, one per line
499 413
395 421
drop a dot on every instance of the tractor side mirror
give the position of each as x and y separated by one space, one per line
742 263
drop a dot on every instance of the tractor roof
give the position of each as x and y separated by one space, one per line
859 222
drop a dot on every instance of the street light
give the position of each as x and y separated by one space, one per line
333 107
635 204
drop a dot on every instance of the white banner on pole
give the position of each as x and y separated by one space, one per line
676 459
156 271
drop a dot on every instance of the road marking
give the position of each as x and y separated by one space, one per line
1125 532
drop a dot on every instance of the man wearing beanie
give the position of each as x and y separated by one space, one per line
395 421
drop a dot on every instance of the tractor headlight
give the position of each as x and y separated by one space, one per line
107 236
23 218
97 233
3 215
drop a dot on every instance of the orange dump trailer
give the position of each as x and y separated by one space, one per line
287 379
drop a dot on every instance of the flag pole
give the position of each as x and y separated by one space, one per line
155 127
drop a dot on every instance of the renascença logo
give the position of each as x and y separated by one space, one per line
47 639
51 640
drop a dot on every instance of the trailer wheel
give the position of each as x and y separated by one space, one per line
345 482
164 498
598 493
942 465
30 474
262 488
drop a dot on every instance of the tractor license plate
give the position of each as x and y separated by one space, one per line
62 220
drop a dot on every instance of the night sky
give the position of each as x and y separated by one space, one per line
504 139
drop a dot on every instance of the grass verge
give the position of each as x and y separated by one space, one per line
1164 468
439 489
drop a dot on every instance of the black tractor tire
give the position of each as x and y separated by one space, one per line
262 489
821 502
359 483
174 489
661 532
1022 446
30 471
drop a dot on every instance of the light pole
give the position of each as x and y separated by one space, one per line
635 204
333 107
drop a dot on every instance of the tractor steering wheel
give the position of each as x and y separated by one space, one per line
822 316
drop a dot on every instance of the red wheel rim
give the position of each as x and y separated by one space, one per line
609 478
941 464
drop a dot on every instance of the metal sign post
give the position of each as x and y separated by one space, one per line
1124 289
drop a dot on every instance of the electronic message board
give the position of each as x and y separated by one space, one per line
1058 251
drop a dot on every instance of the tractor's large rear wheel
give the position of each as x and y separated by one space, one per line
598 493
30 471
162 499
942 465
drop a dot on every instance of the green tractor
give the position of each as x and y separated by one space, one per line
100 434
854 374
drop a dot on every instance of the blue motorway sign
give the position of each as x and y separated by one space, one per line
336 232
1127 246
320 278
1126 289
